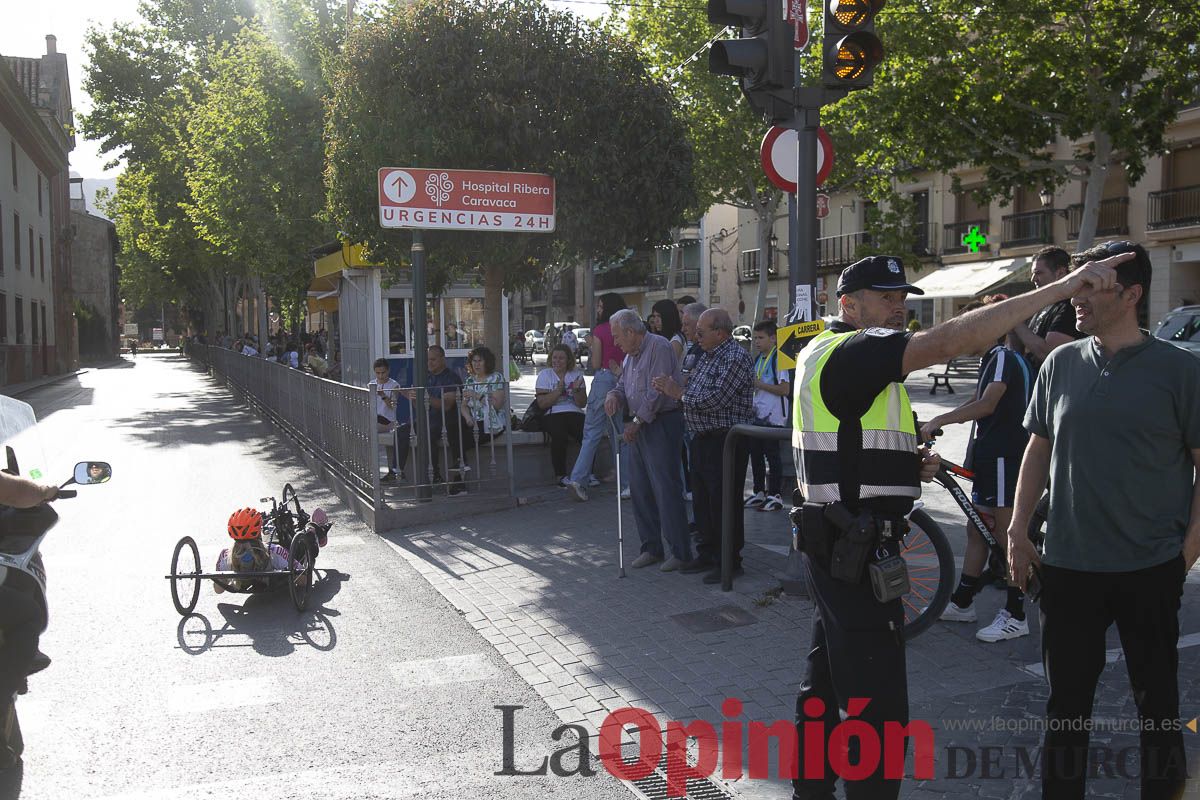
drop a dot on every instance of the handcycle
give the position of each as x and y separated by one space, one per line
287 525
931 564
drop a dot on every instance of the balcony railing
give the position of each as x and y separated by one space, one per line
1174 208
839 252
750 266
1114 218
683 277
952 241
1030 227
925 239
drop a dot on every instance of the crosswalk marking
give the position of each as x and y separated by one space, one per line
234 693
1114 655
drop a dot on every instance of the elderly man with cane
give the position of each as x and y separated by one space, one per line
655 437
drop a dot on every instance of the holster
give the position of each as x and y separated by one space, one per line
858 539
812 532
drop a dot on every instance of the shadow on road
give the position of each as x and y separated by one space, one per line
268 622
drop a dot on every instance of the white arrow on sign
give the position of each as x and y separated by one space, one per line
779 155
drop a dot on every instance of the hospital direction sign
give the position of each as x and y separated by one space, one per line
467 200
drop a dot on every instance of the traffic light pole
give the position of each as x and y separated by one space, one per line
807 119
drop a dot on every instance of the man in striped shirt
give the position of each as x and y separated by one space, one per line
719 395
997 444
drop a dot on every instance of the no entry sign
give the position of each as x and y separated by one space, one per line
779 157
463 199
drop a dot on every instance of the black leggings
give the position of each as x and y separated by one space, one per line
23 619
560 426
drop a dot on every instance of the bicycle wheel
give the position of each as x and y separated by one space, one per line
184 587
300 571
930 573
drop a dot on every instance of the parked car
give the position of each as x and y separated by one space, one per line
1181 327
583 351
535 342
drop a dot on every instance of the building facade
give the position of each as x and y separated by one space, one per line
37 327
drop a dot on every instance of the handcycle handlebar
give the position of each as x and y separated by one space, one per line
66 494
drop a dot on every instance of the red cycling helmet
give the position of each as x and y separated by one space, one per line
245 523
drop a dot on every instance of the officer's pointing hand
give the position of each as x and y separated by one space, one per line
1095 276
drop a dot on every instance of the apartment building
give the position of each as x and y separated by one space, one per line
37 331
1161 211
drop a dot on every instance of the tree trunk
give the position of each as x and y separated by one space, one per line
766 207
673 263
493 296
1092 197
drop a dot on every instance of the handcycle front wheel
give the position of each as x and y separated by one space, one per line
300 571
185 590
930 573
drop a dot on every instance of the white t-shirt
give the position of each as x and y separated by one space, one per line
548 379
772 407
391 389
570 340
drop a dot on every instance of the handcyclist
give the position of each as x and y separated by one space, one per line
997 443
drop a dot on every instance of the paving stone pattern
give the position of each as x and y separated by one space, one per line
540 583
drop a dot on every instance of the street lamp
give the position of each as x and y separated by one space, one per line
773 241
1047 197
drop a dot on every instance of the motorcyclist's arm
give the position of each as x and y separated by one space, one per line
24 493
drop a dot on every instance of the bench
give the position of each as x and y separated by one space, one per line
965 367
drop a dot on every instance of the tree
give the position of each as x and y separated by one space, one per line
254 172
993 85
505 86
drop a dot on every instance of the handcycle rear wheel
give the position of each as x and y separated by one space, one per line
300 570
930 573
184 587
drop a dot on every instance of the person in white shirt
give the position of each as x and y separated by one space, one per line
771 391
570 340
561 392
387 394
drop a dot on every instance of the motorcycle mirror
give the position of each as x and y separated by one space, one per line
90 472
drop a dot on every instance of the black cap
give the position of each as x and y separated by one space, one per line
881 273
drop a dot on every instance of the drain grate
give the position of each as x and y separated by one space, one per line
654 787
718 618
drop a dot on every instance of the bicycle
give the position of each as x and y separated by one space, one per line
931 564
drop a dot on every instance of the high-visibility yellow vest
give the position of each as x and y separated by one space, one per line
886 455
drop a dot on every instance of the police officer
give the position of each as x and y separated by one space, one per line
859 467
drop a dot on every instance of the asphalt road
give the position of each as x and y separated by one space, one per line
380 690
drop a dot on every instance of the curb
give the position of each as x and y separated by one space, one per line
18 389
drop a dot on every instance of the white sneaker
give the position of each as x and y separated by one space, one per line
593 481
955 614
670 565
1004 626
645 560
774 503
755 500
577 492
624 494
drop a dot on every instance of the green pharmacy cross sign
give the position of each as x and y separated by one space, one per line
974 240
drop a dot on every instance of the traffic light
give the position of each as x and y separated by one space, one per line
763 58
851 48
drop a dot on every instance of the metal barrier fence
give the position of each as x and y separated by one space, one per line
461 440
327 417
338 424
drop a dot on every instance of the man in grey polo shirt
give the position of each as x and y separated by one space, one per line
1115 425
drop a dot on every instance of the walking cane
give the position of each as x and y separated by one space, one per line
612 429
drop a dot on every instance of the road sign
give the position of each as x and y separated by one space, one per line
467 200
131 329
157 334
822 206
797 14
779 154
791 340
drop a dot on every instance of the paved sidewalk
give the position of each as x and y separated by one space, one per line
540 584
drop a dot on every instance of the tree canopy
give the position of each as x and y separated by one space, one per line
512 86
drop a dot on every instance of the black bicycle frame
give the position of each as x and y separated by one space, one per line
945 477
